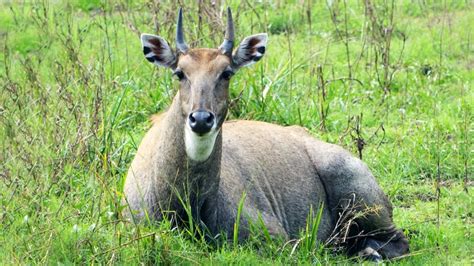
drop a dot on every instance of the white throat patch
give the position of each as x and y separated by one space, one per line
199 148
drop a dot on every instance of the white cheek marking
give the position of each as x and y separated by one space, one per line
199 148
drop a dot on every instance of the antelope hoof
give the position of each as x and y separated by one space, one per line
371 254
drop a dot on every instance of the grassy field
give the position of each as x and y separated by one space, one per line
389 80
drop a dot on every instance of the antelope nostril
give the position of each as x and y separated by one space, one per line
210 119
201 122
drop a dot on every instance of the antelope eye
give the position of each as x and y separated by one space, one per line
227 74
179 74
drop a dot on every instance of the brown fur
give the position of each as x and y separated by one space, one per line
156 118
283 170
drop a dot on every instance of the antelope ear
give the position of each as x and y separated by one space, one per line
250 50
157 51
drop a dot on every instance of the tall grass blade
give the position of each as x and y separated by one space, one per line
237 219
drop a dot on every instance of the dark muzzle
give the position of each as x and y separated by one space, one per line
201 122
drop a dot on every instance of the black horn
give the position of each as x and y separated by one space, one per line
180 43
228 44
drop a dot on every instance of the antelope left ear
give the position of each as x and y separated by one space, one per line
250 50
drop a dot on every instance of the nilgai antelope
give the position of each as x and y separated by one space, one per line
190 151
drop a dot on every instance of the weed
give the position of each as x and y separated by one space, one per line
76 96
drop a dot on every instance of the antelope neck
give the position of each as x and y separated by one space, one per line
194 181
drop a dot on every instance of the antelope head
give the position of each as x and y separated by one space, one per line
204 75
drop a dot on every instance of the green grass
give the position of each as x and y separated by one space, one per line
76 95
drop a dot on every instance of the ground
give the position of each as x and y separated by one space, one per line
391 81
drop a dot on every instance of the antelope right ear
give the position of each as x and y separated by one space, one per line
157 51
